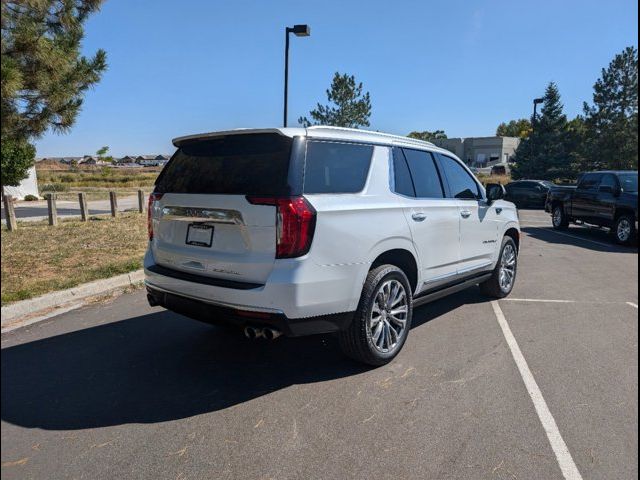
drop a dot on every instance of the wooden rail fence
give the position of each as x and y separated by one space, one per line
52 208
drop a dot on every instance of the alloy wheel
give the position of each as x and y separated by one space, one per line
507 268
388 319
624 230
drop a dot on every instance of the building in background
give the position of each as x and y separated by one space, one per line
28 186
482 152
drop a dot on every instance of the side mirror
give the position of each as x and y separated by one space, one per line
495 191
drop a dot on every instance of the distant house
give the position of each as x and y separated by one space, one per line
152 160
88 160
126 159
65 160
162 159
146 160
128 165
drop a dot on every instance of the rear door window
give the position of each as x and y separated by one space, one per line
332 167
402 177
461 183
590 181
609 181
426 179
244 164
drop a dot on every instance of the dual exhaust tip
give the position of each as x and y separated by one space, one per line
253 333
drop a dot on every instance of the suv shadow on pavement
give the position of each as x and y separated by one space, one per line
161 367
582 237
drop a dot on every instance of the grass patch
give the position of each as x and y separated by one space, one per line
107 179
38 259
501 179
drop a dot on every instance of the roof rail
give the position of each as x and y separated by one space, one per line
370 132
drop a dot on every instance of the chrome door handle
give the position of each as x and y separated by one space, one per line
465 213
418 217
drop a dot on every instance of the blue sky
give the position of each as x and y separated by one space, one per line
463 66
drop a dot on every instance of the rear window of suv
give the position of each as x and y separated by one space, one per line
256 164
332 167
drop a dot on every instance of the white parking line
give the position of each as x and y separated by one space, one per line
541 300
633 305
602 244
565 461
548 300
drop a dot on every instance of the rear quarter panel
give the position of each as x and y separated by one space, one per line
353 229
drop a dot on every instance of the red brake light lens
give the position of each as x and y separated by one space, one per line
150 205
295 224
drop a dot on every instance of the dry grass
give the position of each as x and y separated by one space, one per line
37 259
103 179
501 179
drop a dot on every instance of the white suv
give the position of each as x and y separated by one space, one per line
298 231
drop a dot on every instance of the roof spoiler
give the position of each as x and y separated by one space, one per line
238 131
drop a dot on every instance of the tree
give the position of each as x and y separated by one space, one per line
44 76
102 155
612 120
544 153
428 136
576 134
515 128
17 159
350 107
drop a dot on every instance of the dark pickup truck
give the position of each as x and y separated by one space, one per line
605 199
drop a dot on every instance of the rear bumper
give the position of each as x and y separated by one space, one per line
308 297
225 315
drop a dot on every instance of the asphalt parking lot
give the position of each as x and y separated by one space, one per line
542 385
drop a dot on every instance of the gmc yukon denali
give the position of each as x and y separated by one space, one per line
604 199
298 231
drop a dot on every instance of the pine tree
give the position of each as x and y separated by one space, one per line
350 107
44 76
612 120
544 154
428 136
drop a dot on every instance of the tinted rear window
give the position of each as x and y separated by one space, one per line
426 179
402 177
590 181
255 164
336 167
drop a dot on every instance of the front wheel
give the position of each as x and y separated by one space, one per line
559 218
503 277
381 324
624 230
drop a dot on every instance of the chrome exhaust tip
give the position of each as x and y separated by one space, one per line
271 333
251 333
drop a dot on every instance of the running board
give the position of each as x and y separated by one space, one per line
443 292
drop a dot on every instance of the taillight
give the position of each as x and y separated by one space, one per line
150 205
295 224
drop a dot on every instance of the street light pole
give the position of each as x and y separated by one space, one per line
536 101
299 31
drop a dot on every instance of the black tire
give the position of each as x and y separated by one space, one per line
493 287
559 218
356 341
624 230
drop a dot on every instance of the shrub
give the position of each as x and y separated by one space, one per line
54 187
31 198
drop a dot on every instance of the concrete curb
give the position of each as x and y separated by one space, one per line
15 311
